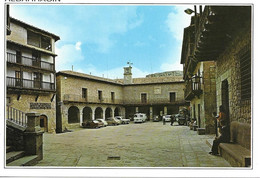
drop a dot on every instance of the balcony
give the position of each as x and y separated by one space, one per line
90 99
154 101
27 61
28 84
193 88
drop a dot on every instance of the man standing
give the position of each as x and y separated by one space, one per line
172 119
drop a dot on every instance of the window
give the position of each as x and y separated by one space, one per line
100 95
17 78
112 96
84 93
245 72
172 97
38 40
143 98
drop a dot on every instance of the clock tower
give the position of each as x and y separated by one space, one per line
128 75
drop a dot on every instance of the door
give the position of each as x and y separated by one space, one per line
44 123
18 57
225 98
36 59
37 80
18 78
199 116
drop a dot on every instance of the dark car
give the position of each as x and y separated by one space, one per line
156 119
92 124
180 119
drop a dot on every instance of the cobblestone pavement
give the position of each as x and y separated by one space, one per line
149 144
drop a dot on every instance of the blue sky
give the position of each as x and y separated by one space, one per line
101 39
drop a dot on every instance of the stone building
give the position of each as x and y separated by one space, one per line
82 97
223 34
200 82
30 73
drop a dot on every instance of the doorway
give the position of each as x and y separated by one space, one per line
44 123
225 98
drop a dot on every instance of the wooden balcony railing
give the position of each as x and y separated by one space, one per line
32 84
27 61
193 88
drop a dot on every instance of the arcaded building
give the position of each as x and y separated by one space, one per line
82 97
30 73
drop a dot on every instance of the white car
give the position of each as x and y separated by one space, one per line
103 121
167 118
123 120
140 118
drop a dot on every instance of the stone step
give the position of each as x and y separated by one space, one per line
8 149
13 155
24 161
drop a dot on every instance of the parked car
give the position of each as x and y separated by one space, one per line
167 118
112 121
156 119
92 124
123 120
180 119
140 118
103 121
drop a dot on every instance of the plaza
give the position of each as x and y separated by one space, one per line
150 145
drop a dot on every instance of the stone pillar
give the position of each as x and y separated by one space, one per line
33 136
136 109
151 113
104 113
113 112
80 117
165 110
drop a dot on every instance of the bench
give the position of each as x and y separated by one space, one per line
238 152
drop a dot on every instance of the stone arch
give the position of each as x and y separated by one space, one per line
117 111
108 112
44 123
73 115
87 114
98 113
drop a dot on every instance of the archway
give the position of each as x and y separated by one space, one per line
98 113
73 116
87 114
44 123
108 113
117 112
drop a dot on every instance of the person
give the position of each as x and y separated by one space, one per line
221 116
223 138
172 119
163 120
214 115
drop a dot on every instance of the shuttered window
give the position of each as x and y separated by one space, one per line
245 71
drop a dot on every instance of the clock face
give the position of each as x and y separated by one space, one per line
127 77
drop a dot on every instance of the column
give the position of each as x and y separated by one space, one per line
80 117
136 109
165 110
151 113
113 112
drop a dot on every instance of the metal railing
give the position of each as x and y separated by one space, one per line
26 83
153 101
16 116
90 99
27 61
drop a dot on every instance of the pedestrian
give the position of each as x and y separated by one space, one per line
163 120
172 119
223 138
221 116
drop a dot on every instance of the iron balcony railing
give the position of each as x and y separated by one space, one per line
27 61
16 116
90 99
152 101
32 84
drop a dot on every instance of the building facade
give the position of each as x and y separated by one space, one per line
82 97
30 73
219 37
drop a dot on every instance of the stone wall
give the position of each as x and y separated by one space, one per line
228 68
26 102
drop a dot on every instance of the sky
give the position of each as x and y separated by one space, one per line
101 39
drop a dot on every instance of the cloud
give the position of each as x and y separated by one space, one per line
77 46
177 20
171 66
68 55
139 44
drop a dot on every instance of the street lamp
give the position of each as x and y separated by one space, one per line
189 11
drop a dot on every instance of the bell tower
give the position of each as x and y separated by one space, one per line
128 74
